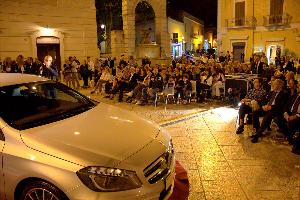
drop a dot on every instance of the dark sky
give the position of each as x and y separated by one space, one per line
203 9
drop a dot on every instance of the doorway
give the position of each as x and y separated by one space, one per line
177 50
273 51
238 51
49 49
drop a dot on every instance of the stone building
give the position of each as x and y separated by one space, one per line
124 41
256 26
186 33
61 28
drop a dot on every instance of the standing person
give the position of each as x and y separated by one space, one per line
112 66
242 57
68 73
36 66
257 67
20 67
74 70
29 66
264 58
85 73
97 71
48 70
91 67
228 57
7 65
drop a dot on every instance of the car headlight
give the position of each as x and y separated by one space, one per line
103 179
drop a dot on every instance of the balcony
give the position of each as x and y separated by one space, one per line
277 20
195 35
247 22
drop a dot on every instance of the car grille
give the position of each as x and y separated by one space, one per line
160 168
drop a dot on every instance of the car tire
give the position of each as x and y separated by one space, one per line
41 190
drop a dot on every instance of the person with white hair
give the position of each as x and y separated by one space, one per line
273 109
48 70
105 78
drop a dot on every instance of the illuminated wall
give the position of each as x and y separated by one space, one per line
73 22
190 34
261 35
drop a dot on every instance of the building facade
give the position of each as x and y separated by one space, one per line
61 28
186 33
259 26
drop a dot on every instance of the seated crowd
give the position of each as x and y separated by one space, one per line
143 83
280 105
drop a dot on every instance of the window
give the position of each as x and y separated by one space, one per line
29 105
175 38
240 13
276 11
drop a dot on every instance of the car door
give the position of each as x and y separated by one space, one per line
2 142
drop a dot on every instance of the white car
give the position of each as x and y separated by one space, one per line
58 144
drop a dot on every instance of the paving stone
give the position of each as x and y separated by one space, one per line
195 181
197 196
223 190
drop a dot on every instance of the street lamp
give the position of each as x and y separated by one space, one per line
103 43
103 27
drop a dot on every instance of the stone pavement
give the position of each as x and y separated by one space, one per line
221 164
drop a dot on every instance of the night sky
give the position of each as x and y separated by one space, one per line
205 10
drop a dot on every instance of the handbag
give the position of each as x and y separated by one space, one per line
254 105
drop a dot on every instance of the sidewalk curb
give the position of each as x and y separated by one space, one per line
182 119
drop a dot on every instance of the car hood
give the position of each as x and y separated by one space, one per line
104 135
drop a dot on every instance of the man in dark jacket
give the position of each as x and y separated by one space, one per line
48 70
273 109
289 122
257 66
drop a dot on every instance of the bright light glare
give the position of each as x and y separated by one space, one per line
102 26
120 119
47 31
32 157
240 104
76 133
227 114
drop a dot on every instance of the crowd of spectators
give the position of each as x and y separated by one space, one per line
274 93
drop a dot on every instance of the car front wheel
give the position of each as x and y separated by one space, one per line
40 190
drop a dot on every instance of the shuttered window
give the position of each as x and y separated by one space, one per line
240 13
276 11
276 7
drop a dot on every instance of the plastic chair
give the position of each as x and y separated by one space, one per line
169 92
194 88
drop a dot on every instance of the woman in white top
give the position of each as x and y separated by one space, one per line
105 77
218 83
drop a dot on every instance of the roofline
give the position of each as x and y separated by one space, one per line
191 17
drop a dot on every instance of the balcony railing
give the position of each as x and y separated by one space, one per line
195 35
277 20
246 22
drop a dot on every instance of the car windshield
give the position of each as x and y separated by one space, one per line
29 105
